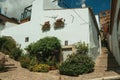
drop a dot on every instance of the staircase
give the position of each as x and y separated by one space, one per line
106 62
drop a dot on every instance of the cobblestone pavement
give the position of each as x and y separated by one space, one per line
105 66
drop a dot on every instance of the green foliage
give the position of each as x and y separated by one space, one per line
25 61
76 64
16 53
81 47
50 62
3 68
40 68
31 49
33 62
45 48
44 51
7 44
28 61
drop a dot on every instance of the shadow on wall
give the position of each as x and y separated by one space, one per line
112 63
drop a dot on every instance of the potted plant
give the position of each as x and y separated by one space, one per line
46 26
59 23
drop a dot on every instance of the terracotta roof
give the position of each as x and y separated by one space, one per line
4 19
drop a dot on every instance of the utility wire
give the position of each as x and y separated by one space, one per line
68 6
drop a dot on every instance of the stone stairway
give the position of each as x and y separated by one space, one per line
106 61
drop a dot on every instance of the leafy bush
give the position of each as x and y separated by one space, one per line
16 53
45 51
40 68
76 64
25 61
45 48
31 50
50 62
2 68
33 62
7 43
81 47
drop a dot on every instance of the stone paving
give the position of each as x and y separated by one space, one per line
105 66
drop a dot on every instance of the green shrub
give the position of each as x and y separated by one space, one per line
50 62
25 61
7 43
31 50
2 68
57 65
45 48
76 64
16 53
46 51
81 47
33 62
40 68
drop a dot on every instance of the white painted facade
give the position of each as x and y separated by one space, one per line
9 25
114 38
79 26
1 28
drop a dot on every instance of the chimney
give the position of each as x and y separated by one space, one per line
83 5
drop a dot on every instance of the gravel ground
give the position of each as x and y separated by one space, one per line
102 69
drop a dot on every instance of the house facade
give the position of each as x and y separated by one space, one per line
114 30
6 22
68 25
104 22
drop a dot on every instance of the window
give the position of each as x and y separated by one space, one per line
104 14
66 43
26 39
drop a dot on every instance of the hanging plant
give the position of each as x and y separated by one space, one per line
59 23
46 26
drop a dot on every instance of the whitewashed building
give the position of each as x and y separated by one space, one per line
6 22
114 33
75 25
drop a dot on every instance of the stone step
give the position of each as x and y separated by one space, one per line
106 61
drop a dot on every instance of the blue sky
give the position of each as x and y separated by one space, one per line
17 6
98 5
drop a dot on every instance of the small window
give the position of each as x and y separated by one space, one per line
104 14
27 39
66 43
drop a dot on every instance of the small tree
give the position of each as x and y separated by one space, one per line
45 48
82 47
16 53
76 64
7 43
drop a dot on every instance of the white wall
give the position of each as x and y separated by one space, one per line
94 39
98 22
75 29
9 25
1 28
14 8
114 37
50 4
